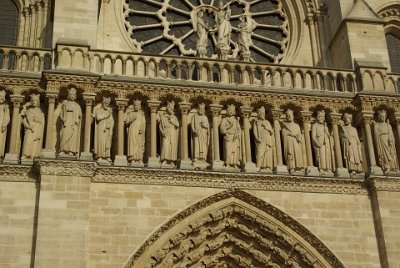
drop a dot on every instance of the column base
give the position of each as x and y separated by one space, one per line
375 170
11 158
104 162
120 160
154 162
86 156
186 164
48 153
281 170
250 167
312 171
201 165
218 165
27 161
342 173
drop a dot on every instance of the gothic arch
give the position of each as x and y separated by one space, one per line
233 229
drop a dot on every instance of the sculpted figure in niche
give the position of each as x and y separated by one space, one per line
246 28
351 145
169 128
224 30
33 121
104 126
136 125
385 143
264 140
71 118
4 121
292 143
201 135
200 27
231 131
320 138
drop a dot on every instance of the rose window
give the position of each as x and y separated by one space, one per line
250 30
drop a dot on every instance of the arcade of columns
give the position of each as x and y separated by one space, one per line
146 126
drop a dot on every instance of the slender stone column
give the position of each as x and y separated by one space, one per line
120 158
397 117
49 151
215 111
314 46
311 169
367 117
154 161
280 167
89 99
12 157
249 166
340 170
186 163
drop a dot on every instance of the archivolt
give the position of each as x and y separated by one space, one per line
233 229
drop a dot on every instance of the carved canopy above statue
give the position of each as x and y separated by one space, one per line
233 229
198 28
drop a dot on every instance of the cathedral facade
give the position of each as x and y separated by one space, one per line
199 133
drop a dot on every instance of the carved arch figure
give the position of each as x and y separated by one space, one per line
236 229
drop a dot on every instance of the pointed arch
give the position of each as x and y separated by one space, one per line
236 229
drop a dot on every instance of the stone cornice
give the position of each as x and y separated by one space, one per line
17 173
65 168
390 184
229 180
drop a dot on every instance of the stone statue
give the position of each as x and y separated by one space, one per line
200 27
4 121
320 138
231 131
246 28
224 30
135 121
200 135
351 145
71 118
292 143
264 140
385 143
169 130
104 126
33 121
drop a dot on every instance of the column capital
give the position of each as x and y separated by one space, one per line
215 109
121 103
17 99
246 111
365 117
306 116
336 117
397 117
153 105
185 106
276 113
88 96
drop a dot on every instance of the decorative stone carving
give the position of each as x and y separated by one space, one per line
200 137
169 130
351 145
4 121
322 144
200 27
231 131
224 30
135 121
385 143
246 27
71 119
292 143
104 127
33 120
264 140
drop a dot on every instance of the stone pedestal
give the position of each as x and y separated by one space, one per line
218 165
281 169
86 156
342 173
312 171
120 160
250 167
186 164
48 153
11 158
375 170
154 162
